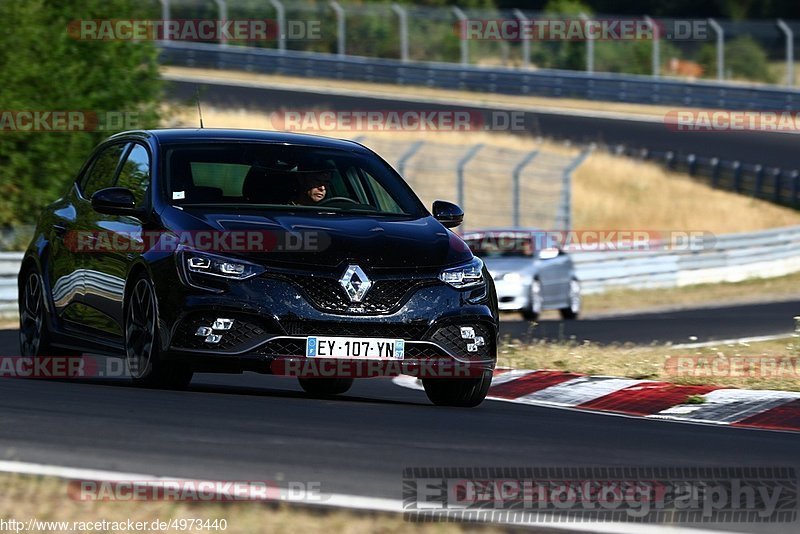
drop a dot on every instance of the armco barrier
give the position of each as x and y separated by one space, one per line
727 258
9 269
505 80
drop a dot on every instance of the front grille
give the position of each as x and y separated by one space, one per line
383 297
450 337
284 347
423 351
330 328
246 332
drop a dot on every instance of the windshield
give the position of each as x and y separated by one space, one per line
500 244
279 176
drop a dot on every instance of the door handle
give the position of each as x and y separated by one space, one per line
60 229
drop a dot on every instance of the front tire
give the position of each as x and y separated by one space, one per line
536 302
575 301
142 354
462 392
325 387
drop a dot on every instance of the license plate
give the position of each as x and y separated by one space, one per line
355 348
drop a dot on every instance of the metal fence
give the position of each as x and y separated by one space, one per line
415 33
496 186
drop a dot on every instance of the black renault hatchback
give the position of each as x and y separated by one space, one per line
207 250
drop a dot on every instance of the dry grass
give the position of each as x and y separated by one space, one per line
449 96
754 290
763 365
43 498
612 192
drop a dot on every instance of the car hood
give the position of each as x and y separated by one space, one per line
500 266
332 240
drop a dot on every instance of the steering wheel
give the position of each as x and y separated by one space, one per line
331 200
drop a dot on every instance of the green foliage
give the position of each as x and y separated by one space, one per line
46 69
744 59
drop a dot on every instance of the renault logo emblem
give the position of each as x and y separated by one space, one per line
355 283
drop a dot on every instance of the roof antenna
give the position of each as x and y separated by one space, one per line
199 111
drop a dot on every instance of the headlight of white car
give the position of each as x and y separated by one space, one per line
512 277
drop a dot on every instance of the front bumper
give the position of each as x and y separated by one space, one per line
512 296
272 318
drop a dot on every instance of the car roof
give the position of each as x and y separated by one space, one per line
182 135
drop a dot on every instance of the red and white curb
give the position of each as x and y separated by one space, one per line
765 409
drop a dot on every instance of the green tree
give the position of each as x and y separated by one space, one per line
744 60
46 69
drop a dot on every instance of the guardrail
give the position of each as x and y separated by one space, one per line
725 258
505 80
9 269
730 258
780 186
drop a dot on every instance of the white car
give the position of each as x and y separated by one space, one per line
530 274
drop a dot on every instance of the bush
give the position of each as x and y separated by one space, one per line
744 60
47 70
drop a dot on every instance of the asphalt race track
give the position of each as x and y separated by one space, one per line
765 148
253 427
683 326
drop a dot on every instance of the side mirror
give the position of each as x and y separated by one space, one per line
115 201
549 253
447 213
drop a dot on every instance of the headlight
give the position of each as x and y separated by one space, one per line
464 276
205 264
512 277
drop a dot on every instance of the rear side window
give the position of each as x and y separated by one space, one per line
101 174
135 173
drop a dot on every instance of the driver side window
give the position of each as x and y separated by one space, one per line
103 169
135 173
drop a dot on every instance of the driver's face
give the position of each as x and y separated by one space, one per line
317 193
